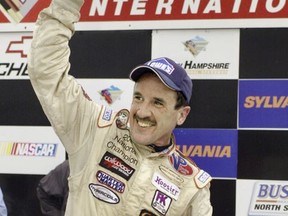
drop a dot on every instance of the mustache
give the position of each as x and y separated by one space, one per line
145 119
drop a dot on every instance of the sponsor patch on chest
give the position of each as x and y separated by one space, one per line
116 165
161 202
104 194
180 164
165 185
110 181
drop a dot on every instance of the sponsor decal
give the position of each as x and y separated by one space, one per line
122 119
195 50
28 149
166 186
171 175
16 10
116 165
13 56
209 151
269 198
184 12
161 202
161 64
20 46
104 194
263 104
145 212
111 94
107 114
195 45
11 70
202 179
110 181
214 150
180 164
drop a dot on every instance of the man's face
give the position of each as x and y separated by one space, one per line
152 114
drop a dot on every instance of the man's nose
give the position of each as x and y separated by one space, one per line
144 110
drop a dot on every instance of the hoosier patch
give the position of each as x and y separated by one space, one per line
166 186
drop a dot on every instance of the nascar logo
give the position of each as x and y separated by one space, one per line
28 149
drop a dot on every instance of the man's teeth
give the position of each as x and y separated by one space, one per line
144 123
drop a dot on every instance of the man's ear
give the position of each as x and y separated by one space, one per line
182 115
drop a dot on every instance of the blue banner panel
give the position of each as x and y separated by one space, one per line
263 104
213 150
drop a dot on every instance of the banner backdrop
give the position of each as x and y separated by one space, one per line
155 14
29 150
230 131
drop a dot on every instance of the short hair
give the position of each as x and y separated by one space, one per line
180 100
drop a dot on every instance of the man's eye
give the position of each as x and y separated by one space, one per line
158 103
137 98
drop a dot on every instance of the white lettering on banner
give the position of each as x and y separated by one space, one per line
140 14
168 7
99 7
138 7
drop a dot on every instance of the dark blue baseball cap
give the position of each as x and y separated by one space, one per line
169 72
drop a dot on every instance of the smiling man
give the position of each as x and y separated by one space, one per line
124 162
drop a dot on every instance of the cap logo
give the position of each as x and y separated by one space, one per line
161 64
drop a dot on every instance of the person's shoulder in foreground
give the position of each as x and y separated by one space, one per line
126 162
3 209
52 190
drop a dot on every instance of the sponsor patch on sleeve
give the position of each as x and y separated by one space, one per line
202 179
106 117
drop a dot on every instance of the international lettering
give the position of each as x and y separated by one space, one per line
184 7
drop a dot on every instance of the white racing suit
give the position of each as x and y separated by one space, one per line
109 174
